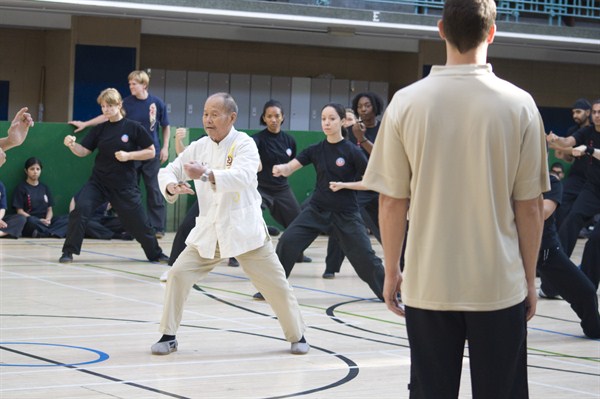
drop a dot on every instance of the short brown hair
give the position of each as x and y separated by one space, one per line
468 22
139 76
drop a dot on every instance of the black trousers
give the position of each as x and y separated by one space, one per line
351 234
590 261
15 224
186 225
585 207
127 202
369 211
497 342
573 285
155 203
281 203
572 186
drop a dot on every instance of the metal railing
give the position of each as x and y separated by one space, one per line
554 11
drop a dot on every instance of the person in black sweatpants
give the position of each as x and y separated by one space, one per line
113 178
565 277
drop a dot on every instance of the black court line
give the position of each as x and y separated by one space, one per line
95 374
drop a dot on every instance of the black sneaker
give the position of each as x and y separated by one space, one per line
258 296
66 258
162 258
233 262
304 259
273 231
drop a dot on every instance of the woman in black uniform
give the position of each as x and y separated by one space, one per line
113 178
335 159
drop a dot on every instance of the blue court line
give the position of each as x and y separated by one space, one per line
101 355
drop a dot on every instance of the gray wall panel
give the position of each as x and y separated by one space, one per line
281 90
175 93
240 90
197 92
300 104
260 93
319 96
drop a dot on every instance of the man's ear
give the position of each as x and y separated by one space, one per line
491 34
440 25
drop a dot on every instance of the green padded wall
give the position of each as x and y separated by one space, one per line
65 173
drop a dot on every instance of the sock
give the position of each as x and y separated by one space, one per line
167 338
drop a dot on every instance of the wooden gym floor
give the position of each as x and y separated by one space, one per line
84 330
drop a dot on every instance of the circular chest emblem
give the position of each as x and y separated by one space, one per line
45 198
288 152
125 138
340 162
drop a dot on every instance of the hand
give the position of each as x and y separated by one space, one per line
19 127
281 170
579 150
3 224
194 169
551 137
359 129
45 222
122 156
79 126
336 185
179 188
164 154
391 291
69 141
180 133
530 303
2 157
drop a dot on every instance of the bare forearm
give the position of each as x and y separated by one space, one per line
142 155
392 224
529 218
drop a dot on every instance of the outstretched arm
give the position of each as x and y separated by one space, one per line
79 125
586 150
350 185
76 148
286 169
17 132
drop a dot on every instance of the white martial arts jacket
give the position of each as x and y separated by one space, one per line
230 213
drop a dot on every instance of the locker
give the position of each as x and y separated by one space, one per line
357 86
197 93
300 104
260 93
218 83
340 92
157 82
319 97
175 92
281 90
240 90
380 88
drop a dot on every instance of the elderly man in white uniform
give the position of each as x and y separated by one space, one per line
223 166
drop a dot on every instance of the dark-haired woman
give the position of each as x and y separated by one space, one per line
33 200
335 160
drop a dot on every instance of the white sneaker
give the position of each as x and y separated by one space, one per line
164 348
300 348
164 276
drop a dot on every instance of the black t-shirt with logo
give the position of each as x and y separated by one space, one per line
110 137
342 161
274 149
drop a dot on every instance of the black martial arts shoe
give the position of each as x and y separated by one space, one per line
258 296
273 231
304 259
162 258
66 257
233 262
